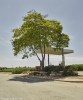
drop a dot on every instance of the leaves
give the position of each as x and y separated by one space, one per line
37 31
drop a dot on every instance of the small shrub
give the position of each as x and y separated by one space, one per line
76 67
65 72
53 68
46 69
69 72
80 67
6 70
32 69
48 73
36 73
17 71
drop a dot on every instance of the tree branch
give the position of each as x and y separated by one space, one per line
35 53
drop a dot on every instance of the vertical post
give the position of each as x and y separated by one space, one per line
63 59
48 59
44 62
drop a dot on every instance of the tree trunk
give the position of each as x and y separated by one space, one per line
42 64
43 58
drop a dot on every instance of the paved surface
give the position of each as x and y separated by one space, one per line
80 72
19 87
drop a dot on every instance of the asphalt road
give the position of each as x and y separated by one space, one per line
16 87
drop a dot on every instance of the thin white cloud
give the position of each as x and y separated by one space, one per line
17 59
72 37
4 42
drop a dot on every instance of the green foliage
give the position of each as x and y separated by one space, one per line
69 72
36 73
75 67
80 67
48 73
19 70
53 68
32 69
37 32
6 69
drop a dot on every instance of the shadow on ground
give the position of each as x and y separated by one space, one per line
33 79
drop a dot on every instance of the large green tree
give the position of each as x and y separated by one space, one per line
38 32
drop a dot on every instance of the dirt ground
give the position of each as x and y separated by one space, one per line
23 87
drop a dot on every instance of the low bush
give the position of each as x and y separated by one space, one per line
19 70
6 69
32 69
53 68
76 67
68 71
48 73
36 73
80 67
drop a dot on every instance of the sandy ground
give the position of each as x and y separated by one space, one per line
20 87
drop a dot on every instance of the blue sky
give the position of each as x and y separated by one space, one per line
68 12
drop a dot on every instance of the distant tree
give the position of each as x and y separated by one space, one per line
38 32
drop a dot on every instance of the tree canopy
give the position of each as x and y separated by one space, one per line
38 32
